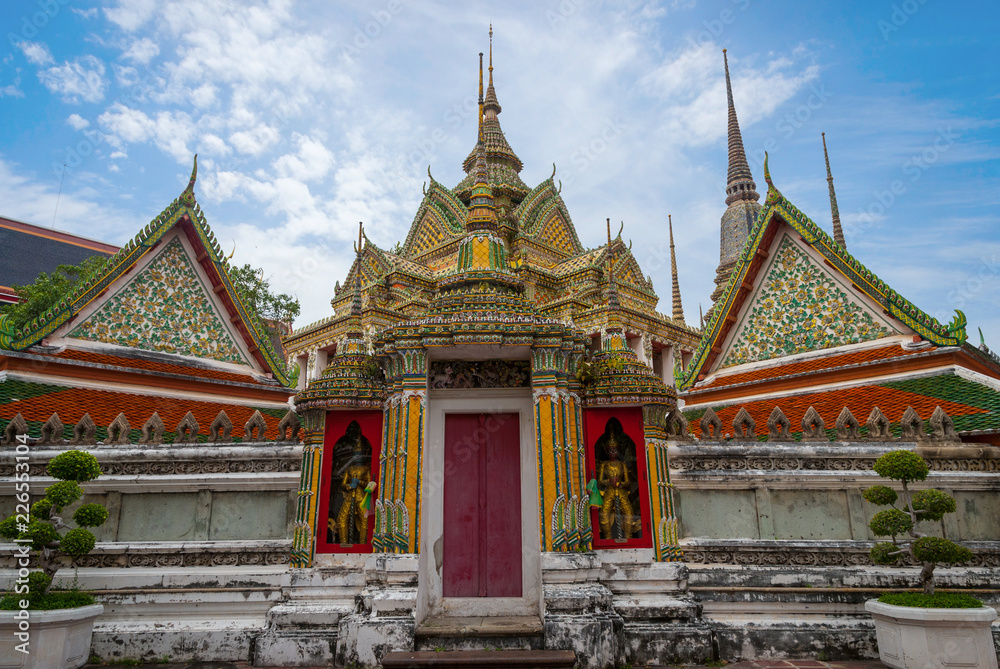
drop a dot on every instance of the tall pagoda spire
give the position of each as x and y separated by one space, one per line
742 199
838 232
678 313
739 183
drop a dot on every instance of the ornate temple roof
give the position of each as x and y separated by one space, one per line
183 214
779 211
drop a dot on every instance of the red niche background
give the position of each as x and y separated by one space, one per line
594 422
370 423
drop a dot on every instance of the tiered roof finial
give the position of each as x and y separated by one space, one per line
497 148
739 184
356 301
678 313
838 231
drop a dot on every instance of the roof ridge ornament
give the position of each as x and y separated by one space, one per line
188 194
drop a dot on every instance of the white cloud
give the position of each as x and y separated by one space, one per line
170 131
82 78
141 51
13 90
692 114
203 96
37 53
311 162
254 141
130 15
78 122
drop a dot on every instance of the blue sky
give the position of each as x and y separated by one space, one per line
310 116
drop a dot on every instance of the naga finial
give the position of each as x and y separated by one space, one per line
188 194
357 246
553 170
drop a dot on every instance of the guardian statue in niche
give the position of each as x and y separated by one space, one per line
349 489
616 478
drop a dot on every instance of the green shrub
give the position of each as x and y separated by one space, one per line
77 542
885 553
932 504
902 465
891 523
74 466
69 599
42 531
42 509
939 600
8 528
881 495
90 515
935 549
63 494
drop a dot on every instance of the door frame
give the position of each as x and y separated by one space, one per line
430 601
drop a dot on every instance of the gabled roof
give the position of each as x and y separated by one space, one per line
776 211
183 213
28 250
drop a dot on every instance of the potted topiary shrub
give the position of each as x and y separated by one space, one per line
39 626
926 629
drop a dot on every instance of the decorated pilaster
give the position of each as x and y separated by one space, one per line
303 543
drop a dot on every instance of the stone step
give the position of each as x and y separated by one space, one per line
480 633
479 659
476 626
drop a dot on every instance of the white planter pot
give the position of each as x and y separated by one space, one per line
58 639
915 638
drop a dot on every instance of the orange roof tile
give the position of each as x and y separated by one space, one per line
860 400
817 364
103 406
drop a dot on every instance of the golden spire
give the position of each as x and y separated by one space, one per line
838 231
480 130
678 312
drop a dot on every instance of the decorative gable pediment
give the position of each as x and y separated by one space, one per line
872 307
166 308
798 305
439 219
558 234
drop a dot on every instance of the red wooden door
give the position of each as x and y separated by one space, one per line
482 506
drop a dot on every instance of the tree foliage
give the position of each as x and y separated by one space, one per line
254 288
46 291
